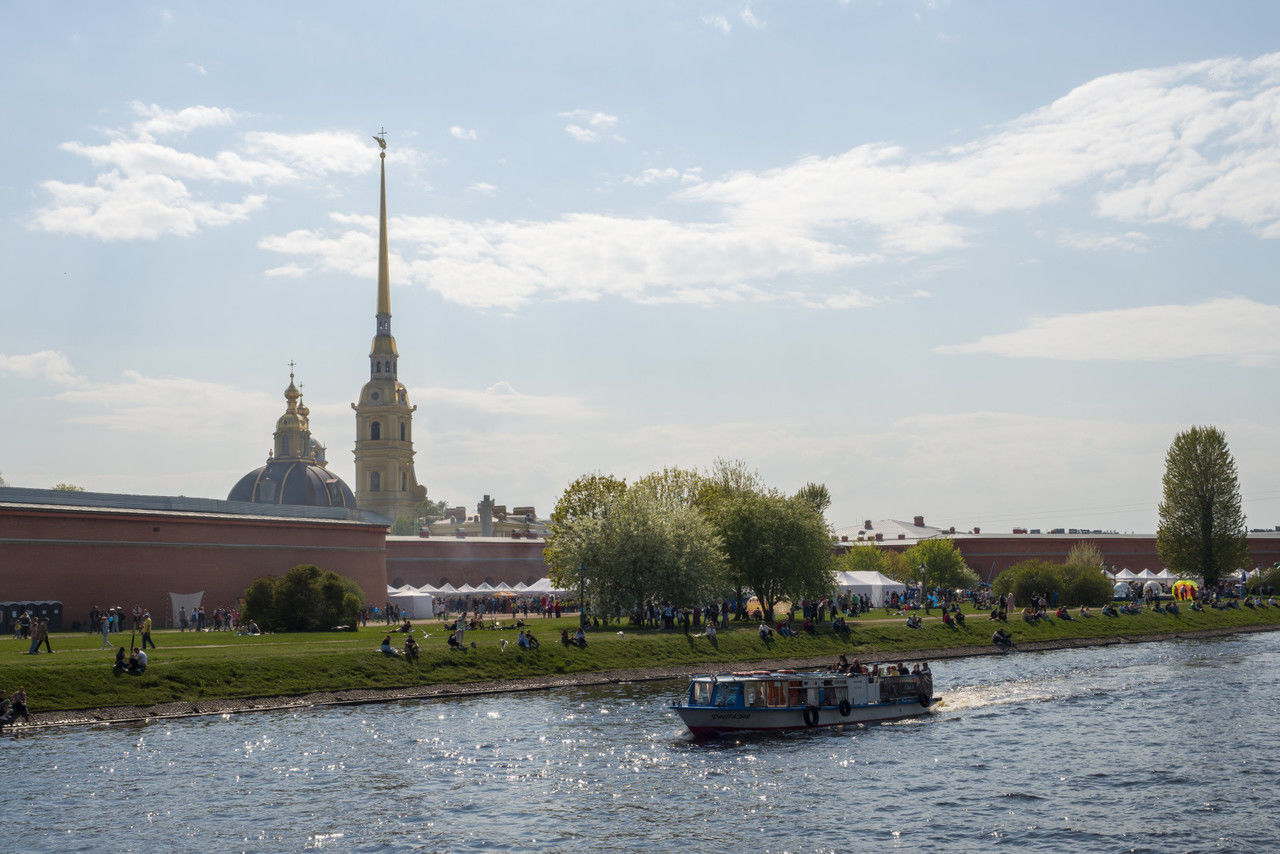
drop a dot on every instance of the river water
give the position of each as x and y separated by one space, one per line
1152 747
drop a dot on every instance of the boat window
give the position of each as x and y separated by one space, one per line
729 695
795 694
777 693
831 696
753 694
700 694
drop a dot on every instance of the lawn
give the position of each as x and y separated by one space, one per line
189 666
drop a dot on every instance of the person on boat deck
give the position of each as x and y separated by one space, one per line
842 665
411 648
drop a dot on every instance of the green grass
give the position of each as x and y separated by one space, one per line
189 667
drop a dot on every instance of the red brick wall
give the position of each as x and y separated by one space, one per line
989 555
87 557
435 560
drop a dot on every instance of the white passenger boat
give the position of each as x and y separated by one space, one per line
788 699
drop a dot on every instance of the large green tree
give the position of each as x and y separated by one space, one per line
644 551
864 557
587 498
777 547
936 563
1202 531
306 598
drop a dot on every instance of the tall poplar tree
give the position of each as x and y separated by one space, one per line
1202 528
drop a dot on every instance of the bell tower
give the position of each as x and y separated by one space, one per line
385 480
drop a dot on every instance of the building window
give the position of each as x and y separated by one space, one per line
377 367
401 432
375 481
404 482
375 430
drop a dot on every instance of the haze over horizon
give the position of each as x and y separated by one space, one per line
978 263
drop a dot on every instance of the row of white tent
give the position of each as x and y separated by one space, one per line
419 602
1164 576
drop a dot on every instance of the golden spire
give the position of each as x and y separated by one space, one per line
384 273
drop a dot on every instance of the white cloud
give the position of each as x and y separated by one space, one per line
577 257
318 153
137 207
1129 241
666 175
1234 329
463 133
484 188
719 22
501 398
198 69
1188 144
139 404
148 188
591 125
749 18
48 365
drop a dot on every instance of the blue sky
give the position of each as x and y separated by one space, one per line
978 262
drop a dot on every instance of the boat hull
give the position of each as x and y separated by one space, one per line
706 722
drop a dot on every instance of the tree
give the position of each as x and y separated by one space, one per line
588 497
816 494
674 486
943 565
777 547
67 487
644 551
1202 529
407 524
306 598
863 558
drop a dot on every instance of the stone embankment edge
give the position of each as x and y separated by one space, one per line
355 697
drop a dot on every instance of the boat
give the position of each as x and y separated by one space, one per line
777 700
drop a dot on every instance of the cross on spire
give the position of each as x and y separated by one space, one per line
291 367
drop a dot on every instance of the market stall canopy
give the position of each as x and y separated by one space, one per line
876 586
448 588
416 605
1126 575
466 588
1166 575
543 585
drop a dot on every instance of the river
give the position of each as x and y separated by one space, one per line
1169 746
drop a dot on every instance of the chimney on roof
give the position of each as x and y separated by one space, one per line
879 537
844 538
867 524
952 530
902 536
918 521
977 530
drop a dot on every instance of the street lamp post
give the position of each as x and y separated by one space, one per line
924 593
582 595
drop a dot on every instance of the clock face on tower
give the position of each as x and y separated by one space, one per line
384 325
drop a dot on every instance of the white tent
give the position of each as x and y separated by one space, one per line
485 587
875 586
1148 575
1121 590
543 585
466 588
415 604
503 587
448 588
429 588
1126 575
1152 588
1166 576
520 585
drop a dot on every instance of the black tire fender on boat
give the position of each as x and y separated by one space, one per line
845 709
810 715
925 700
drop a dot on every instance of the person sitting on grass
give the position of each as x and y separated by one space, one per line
137 662
531 640
522 641
766 633
1109 610
1196 606
914 621
564 637
387 649
1062 613
1029 615
1002 639
958 616
454 642
1171 608
710 630
411 648
121 663
580 639
1271 600
946 619
1085 612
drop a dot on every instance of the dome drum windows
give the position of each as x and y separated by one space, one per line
375 430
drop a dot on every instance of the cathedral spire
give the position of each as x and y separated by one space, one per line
384 271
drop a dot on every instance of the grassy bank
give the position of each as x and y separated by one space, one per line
193 667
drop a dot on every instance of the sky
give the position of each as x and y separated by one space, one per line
979 262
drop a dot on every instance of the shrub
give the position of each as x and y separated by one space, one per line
306 598
1072 584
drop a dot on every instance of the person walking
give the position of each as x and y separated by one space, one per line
104 622
146 631
40 636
